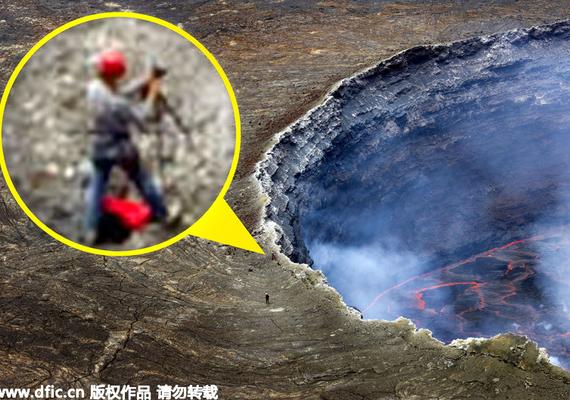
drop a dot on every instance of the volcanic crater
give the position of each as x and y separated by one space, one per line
436 186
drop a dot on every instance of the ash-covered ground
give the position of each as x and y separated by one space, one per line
195 313
47 143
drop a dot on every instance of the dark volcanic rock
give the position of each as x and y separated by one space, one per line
489 113
195 313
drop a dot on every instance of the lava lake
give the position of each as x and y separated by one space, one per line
436 186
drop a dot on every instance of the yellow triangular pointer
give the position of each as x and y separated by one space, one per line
220 224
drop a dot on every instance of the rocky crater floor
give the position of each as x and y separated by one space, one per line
195 313
436 186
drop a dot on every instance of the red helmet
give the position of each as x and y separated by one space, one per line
111 64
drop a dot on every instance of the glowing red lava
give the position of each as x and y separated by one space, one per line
451 267
488 293
420 293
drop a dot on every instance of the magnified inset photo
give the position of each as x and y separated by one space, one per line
118 133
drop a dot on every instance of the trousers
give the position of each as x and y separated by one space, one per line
135 172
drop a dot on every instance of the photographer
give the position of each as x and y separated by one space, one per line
113 118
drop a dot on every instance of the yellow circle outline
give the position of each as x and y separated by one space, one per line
94 17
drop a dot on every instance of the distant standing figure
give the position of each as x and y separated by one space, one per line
266 298
112 119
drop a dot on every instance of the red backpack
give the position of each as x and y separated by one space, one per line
134 215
